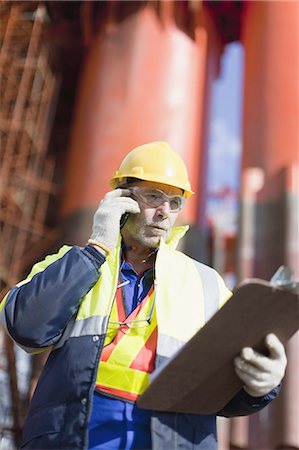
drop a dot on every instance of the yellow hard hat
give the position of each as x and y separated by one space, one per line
156 162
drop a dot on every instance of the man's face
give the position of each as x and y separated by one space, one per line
152 223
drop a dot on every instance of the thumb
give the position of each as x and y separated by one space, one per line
275 346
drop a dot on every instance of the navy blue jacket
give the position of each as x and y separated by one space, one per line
37 314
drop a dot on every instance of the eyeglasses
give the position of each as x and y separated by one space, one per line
155 197
135 324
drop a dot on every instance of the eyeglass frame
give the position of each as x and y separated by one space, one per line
165 197
128 322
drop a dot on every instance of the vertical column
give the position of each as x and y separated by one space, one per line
252 183
270 37
142 81
271 40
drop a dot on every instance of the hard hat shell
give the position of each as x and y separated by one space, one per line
155 162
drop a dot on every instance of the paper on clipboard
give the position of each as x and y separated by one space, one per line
200 378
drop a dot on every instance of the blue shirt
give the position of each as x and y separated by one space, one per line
117 424
135 286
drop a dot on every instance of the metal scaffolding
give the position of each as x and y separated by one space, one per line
28 92
28 88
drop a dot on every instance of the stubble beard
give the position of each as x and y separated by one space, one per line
144 240
138 232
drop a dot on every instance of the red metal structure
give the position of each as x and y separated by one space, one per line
270 177
146 73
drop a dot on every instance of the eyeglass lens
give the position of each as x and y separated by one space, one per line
155 198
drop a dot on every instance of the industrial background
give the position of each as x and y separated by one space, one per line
81 84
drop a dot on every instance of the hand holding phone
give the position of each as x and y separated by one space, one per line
111 215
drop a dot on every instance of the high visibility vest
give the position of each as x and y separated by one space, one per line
128 356
187 293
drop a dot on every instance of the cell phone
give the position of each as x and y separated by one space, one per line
123 219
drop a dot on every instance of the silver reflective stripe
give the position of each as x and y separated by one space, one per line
95 325
210 288
23 347
32 350
2 308
91 325
3 319
4 325
168 345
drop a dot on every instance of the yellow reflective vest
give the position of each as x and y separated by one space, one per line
128 356
186 292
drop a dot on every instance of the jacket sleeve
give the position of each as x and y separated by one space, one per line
36 312
244 404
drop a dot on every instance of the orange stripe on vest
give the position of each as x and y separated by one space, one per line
145 360
108 349
143 363
119 393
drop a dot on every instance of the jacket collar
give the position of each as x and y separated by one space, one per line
176 234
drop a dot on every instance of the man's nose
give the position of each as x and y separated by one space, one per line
164 209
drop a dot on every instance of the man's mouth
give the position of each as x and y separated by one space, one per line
158 228
156 225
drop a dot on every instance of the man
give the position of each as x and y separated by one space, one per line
115 310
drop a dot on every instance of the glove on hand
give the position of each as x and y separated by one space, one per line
260 373
106 220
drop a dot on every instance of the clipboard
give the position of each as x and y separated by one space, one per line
200 378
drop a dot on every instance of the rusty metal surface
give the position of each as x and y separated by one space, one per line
28 86
28 90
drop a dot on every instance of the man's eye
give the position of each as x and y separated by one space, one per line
153 197
175 203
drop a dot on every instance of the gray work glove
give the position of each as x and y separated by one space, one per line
106 220
260 373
